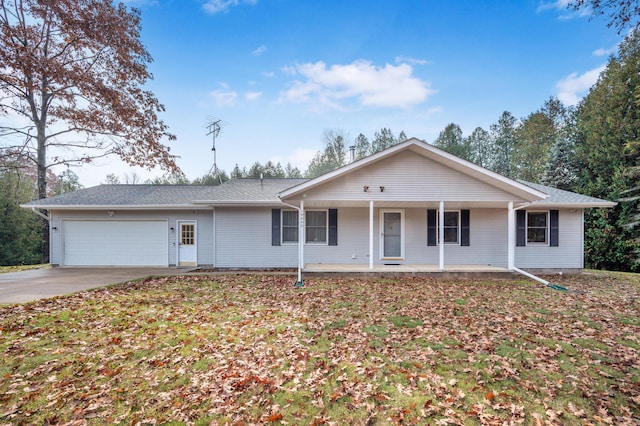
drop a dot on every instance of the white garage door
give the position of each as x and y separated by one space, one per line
115 243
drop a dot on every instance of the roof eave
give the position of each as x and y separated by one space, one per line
239 203
113 206
585 205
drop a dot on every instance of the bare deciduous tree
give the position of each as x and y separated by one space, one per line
71 87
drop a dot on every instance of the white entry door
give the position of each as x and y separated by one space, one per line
187 247
392 234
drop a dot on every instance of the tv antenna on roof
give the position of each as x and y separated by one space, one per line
214 129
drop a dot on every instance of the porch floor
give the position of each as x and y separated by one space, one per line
406 269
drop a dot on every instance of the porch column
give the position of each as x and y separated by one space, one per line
301 236
441 234
371 235
511 237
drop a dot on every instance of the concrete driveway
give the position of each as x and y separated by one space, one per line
26 286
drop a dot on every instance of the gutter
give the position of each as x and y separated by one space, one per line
39 213
300 282
533 277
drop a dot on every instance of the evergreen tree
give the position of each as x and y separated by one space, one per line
451 140
175 178
292 172
480 147
19 228
236 173
67 181
504 141
607 150
332 157
362 147
561 170
382 140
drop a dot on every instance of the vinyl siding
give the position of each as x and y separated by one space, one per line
204 219
488 240
568 254
407 177
243 240
353 240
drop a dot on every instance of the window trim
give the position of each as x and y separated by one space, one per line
326 228
282 226
459 227
547 228
297 241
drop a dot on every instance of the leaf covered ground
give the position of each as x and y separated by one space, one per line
253 349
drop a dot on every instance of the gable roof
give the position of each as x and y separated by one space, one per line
496 180
275 191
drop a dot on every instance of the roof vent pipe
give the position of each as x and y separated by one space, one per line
352 153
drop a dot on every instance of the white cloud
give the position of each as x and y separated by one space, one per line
252 96
268 74
388 86
223 6
605 52
574 86
224 97
409 60
563 6
259 51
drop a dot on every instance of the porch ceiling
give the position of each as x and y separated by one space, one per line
325 204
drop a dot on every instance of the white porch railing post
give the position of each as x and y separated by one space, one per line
301 236
371 235
441 235
511 237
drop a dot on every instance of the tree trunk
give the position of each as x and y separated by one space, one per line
42 188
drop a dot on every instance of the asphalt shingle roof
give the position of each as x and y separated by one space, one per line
559 196
241 190
252 189
234 190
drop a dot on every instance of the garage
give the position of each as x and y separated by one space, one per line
115 243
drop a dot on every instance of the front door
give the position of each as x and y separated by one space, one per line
392 238
187 244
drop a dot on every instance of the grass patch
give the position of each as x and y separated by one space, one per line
236 349
18 268
405 321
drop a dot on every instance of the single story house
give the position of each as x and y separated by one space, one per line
411 204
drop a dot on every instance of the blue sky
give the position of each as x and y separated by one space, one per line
278 73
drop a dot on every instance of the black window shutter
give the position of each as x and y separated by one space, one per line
275 227
464 228
432 229
333 227
521 228
553 228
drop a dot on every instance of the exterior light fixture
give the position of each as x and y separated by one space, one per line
382 189
366 188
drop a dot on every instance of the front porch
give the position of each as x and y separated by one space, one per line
469 271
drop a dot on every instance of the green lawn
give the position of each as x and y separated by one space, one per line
243 349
